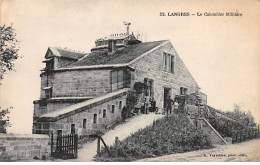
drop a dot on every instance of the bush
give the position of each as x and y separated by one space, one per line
243 122
164 136
228 128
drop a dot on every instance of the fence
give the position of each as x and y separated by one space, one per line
66 146
245 135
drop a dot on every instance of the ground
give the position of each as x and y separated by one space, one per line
121 131
240 152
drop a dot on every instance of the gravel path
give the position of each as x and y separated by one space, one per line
247 151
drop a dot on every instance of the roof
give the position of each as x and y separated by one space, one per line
46 88
75 108
59 52
122 56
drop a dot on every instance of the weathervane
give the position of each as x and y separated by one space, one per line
127 27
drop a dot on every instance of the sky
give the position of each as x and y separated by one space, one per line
222 53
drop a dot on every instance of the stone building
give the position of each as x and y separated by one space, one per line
82 93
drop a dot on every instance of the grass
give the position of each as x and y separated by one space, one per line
165 136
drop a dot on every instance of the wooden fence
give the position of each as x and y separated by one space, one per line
66 146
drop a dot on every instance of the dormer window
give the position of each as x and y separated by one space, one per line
168 62
48 92
101 43
98 43
119 42
49 63
111 45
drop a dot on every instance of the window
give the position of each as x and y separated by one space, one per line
168 62
48 91
110 46
149 90
84 123
183 91
113 108
120 79
127 78
104 113
95 118
172 64
119 41
120 105
73 131
50 64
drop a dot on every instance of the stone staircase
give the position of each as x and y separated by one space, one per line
214 136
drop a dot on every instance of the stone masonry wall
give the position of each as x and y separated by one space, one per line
14 147
77 83
88 114
52 106
61 61
151 66
39 110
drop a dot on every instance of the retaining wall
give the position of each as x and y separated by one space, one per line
214 136
14 147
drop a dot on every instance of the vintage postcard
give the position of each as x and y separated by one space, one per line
130 81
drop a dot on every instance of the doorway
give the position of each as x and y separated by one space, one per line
149 91
73 130
59 132
167 92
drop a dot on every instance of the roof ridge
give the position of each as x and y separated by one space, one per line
125 56
67 49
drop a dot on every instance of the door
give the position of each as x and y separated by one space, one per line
59 132
109 46
166 94
66 146
73 131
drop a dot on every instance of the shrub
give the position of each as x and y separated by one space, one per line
228 128
165 136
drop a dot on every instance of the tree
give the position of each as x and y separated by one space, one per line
4 119
245 118
8 54
8 49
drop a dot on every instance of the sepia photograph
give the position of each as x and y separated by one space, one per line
129 81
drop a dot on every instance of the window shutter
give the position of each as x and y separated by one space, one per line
164 61
120 79
172 64
114 77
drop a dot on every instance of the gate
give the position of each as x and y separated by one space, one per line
66 146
